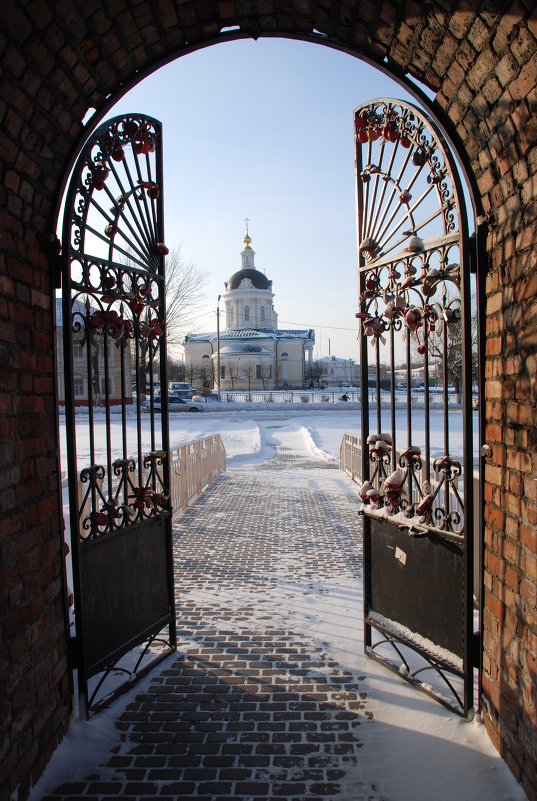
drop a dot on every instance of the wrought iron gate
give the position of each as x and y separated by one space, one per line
416 388
113 319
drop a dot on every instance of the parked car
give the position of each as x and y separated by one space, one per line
178 404
182 389
156 388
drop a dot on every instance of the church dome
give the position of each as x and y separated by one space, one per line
259 280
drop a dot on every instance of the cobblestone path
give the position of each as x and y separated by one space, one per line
255 705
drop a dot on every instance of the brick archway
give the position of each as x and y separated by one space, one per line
58 62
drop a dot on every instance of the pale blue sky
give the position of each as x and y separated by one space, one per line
265 130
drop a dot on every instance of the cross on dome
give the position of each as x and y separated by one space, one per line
247 238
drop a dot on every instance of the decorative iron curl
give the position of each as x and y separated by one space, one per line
410 459
92 474
447 521
451 468
154 458
123 466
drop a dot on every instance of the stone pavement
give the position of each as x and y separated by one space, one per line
253 706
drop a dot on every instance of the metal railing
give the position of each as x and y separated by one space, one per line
329 396
193 467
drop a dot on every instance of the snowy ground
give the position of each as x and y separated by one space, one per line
244 428
416 750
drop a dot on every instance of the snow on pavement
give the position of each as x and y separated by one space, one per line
414 749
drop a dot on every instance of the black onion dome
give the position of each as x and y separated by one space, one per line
259 280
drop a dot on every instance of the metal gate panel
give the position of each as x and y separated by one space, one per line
117 446
123 595
419 582
415 329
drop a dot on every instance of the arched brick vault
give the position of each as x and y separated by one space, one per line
58 59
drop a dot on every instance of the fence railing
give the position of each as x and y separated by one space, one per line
193 467
284 396
329 396
350 456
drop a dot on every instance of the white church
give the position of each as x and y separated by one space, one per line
251 351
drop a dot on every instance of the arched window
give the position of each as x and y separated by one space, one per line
284 355
262 314
246 313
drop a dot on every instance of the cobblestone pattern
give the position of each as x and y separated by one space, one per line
251 709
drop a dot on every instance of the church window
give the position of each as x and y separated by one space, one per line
262 313
223 371
284 355
258 371
246 313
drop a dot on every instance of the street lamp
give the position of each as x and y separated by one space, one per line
218 344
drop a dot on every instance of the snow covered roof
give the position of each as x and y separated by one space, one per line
334 360
244 347
250 333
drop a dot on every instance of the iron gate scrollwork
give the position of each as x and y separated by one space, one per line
416 379
114 350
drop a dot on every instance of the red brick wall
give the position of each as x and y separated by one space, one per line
502 120
59 58
34 701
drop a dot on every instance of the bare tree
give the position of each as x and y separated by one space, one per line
313 373
185 294
191 373
233 372
205 374
248 372
176 370
266 375
448 334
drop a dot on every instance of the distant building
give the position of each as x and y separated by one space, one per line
80 366
336 372
254 353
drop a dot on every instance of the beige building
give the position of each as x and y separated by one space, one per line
252 351
80 366
336 372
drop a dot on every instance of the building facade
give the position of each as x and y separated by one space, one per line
112 356
251 351
336 372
